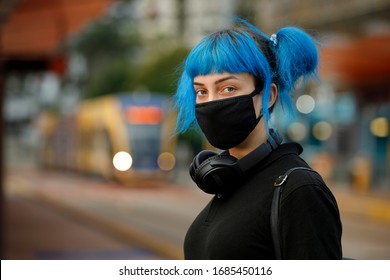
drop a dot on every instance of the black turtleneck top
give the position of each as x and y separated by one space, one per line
236 225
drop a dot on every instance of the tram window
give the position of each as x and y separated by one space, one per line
144 145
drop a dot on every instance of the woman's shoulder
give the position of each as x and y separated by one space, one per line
306 182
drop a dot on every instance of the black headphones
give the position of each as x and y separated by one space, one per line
218 173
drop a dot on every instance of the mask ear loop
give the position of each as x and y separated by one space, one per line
257 91
259 118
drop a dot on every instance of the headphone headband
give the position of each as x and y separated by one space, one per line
218 173
258 154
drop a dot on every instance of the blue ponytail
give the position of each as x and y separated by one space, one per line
296 56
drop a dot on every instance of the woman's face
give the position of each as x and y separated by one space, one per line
222 85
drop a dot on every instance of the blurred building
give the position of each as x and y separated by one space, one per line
348 17
32 54
186 20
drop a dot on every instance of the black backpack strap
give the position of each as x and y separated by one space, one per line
275 209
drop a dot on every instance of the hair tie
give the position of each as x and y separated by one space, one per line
274 40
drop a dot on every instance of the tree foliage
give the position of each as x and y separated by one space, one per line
117 61
111 79
160 72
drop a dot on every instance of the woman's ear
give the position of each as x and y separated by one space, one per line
273 96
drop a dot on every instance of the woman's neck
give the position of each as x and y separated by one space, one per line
257 137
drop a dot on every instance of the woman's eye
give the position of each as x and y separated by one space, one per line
200 92
229 89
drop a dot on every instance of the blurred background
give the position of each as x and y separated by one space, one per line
90 165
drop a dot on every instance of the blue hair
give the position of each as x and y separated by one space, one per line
296 56
245 49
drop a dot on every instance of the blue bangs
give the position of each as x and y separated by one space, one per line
224 51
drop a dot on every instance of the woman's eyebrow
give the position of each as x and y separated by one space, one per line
218 81
226 78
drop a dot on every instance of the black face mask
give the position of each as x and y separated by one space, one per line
227 122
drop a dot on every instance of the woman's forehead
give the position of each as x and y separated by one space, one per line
221 77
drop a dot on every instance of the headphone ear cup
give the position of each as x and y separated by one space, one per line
216 173
198 160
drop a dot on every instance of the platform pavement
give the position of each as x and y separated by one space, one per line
154 215
35 231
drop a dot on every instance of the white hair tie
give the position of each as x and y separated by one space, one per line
274 39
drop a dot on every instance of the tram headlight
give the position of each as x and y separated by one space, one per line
122 161
166 161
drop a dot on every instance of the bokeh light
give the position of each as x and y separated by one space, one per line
297 131
166 161
322 130
122 161
305 104
379 127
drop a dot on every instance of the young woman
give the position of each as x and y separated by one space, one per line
230 83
